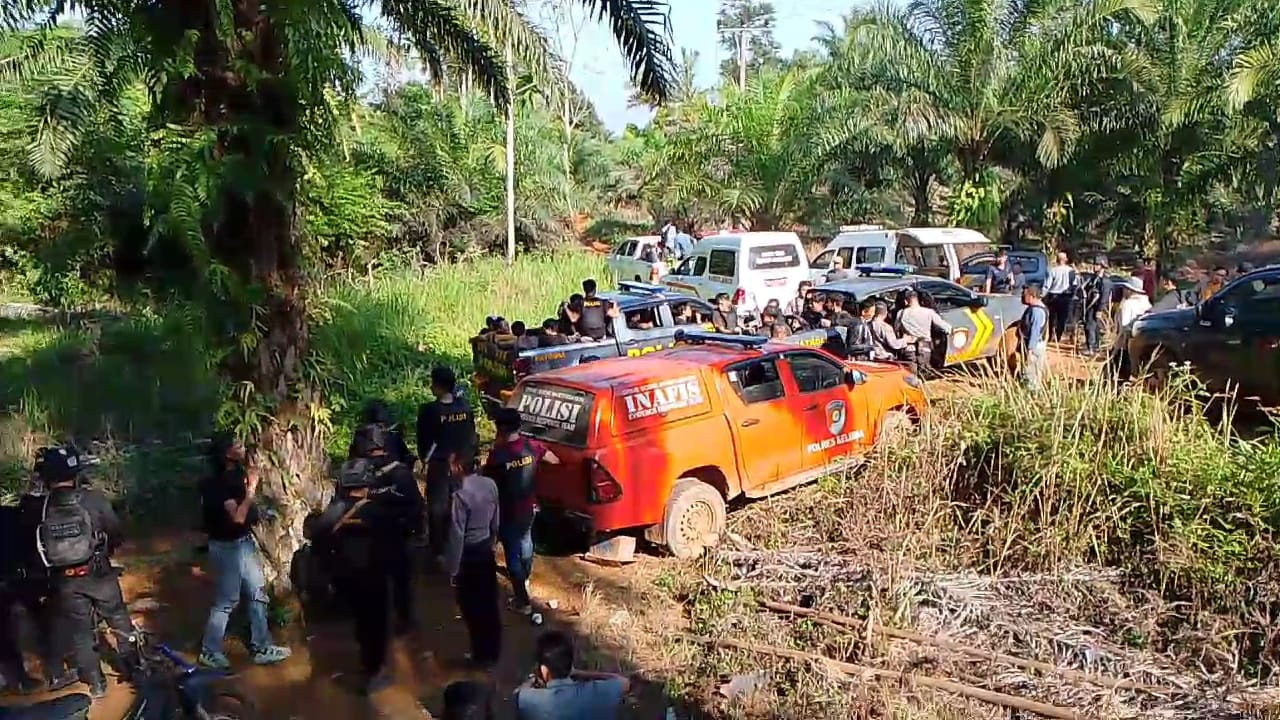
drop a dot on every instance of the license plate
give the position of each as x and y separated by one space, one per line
775 282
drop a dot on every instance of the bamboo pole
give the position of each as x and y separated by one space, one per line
854 623
987 696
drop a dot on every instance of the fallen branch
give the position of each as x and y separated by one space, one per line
969 691
856 624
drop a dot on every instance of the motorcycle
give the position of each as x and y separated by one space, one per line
167 687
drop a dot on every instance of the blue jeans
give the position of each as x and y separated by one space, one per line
1091 330
236 569
1034 361
517 546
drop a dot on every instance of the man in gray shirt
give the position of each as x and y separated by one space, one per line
558 692
886 345
919 322
837 271
469 557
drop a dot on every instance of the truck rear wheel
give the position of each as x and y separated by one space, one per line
694 519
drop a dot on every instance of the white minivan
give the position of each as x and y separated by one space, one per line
932 251
752 267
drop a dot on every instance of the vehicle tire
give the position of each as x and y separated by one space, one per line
694 519
895 425
227 704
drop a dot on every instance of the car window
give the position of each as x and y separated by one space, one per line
870 255
946 296
723 263
770 257
1254 298
814 373
757 380
1030 263
700 266
823 261
625 249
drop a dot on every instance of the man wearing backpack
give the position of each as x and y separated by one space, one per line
512 465
357 534
76 532
394 484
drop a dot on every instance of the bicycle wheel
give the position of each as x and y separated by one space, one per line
227 705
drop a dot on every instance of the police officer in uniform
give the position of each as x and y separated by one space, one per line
593 320
395 485
445 425
25 581
513 466
77 532
357 533
376 412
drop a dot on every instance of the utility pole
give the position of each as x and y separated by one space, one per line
511 161
742 33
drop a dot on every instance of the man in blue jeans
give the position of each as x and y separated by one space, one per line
227 506
513 466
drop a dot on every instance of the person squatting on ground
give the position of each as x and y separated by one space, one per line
513 466
469 559
394 482
358 533
920 323
229 511
77 530
446 425
556 691
25 582
1033 336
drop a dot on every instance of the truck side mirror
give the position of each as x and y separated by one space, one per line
978 301
853 378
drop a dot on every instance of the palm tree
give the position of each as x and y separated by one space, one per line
988 80
249 85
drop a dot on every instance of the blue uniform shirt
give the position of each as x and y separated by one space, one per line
567 699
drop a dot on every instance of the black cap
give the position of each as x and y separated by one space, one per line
57 464
507 418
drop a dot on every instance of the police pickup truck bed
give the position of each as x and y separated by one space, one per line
499 364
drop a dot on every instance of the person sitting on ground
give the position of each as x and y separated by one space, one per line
551 335
886 345
556 691
796 306
771 325
814 316
725 316
468 700
837 271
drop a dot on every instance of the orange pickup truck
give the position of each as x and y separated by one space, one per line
664 441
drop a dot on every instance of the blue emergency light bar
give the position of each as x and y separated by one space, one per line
699 337
641 287
883 269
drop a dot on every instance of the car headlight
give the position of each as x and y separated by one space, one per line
913 381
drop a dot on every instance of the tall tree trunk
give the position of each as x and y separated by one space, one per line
255 236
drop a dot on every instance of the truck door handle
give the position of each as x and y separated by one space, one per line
749 422
808 408
632 341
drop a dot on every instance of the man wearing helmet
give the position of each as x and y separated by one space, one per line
76 532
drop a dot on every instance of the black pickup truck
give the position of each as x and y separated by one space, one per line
646 323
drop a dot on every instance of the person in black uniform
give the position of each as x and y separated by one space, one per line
445 425
858 335
395 484
77 532
593 320
376 412
836 314
358 533
551 335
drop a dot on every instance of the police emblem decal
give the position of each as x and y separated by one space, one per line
836 416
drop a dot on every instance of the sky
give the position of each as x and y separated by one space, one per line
597 66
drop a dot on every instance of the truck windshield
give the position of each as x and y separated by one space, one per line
554 413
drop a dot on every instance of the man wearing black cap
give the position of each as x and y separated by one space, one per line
393 483
593 319
76 532
445 425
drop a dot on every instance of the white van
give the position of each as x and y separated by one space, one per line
752 267
931 251
856 245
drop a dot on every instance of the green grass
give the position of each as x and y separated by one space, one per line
145 386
